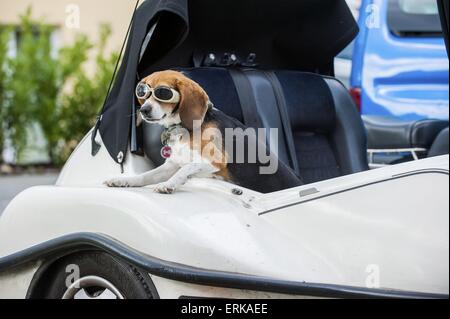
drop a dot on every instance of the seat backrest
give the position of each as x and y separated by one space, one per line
348 136
327 130
440 144
389 132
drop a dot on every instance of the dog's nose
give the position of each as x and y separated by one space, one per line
145 111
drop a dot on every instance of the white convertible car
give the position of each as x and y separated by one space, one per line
349 232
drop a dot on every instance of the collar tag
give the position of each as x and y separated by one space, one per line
166 151
170 133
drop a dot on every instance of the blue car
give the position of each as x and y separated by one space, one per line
400 64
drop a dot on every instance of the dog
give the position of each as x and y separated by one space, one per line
182 107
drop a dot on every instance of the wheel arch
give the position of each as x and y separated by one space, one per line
65 245
40 284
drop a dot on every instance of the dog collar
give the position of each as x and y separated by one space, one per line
176 129
170 131
175 110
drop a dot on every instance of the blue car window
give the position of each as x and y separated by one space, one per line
419 6
414 18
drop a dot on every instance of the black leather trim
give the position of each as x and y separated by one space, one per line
349 136
85 241
443 6
391 133
440 144
246 99
285 120
270 117
152 142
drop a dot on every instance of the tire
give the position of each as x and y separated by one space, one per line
127 281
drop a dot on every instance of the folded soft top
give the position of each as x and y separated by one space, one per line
296 35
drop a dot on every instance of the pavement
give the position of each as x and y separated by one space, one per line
10 186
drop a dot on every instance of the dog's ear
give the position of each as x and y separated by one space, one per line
193 102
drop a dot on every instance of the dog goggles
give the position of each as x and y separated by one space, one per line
163 94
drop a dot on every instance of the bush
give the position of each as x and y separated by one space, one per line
52 91
4 37
80 108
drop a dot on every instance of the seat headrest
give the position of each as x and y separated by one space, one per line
219 85
308 100
308 97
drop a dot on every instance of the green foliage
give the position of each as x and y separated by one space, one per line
52 90
81 107
4 38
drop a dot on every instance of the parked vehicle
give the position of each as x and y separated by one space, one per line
343 65
348 232
400 64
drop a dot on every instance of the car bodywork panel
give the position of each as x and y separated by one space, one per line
391 223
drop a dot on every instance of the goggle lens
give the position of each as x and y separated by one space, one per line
143 91
163 93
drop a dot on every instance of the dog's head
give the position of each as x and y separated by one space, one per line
191 104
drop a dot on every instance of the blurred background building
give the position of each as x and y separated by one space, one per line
72 17
68 19
61 14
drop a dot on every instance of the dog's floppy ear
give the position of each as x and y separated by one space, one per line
193 102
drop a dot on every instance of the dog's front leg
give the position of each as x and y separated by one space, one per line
157 175
182 175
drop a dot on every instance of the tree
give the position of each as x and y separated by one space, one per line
52 90
4 38
87 97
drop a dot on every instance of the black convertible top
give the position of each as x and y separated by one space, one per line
284 34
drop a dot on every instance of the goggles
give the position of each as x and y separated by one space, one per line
163 94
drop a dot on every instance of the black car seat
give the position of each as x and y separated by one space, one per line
391 133
329 135
325 136
440 144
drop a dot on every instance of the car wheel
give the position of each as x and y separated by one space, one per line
95 275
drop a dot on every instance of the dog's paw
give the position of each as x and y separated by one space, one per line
164 188
120 182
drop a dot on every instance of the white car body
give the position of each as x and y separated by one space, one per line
381 229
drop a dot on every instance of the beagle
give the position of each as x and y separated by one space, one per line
202 141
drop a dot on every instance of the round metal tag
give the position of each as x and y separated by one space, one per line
166 151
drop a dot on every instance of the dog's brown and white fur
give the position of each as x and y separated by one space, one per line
186 161
188 158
